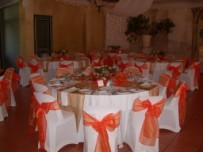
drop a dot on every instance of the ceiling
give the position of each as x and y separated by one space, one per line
156 3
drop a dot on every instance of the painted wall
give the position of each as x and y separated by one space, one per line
179 41
10 35
75 28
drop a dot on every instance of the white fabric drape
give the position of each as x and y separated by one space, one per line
131 7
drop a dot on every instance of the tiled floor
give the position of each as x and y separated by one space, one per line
14 138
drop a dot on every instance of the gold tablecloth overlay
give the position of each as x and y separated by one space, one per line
76 99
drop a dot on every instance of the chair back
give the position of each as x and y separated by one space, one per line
40 88
66 64
37 78
20 62
101 117
9 74
53 115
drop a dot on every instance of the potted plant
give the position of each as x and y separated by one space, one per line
164 26
140 26
137 26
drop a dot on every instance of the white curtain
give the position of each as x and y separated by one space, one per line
131 7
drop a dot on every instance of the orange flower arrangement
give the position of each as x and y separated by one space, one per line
120 78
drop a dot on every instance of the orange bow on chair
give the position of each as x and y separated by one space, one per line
174 70
150 127
4 92
140 67
20 62
181 91
110 122
61 65
15 80
34 68
41 110
197 73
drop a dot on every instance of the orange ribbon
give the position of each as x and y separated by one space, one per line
197 73
174 70
20 62
15 80
140 67
41 111
181 91
61 65
34 68
110 122
32 116
150 127
122 65
120 78
107 61
4 93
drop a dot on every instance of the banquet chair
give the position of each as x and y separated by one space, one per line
66 64
40 88
3 97
166 85
35 66
143 67
61 125
174 70
143 128
173 114
37 78
8 76
131 72
101 126
191 76
23 71
61 72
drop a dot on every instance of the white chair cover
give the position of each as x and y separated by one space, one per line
135 122
91 135
61 126
169 118
40 88
3 112
8 76
189 76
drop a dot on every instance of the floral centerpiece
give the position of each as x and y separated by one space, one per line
104 71
120 78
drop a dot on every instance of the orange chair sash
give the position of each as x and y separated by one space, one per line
110 122
15 80
150 127
140 67
41 110
120 78
20 62
197 73
61 65
4 93
122 65
34 68
174 70
181 91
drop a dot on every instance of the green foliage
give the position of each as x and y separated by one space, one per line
141 24
137 26
165 26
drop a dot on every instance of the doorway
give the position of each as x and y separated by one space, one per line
42 34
